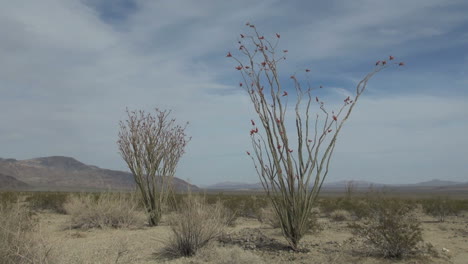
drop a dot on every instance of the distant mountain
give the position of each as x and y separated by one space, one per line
341 185
235 186
65 173
437 183
8 182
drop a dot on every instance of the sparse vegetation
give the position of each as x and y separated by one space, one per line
53 201
104 210
441 207
194 226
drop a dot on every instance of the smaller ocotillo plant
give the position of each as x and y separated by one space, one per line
152 146
291 169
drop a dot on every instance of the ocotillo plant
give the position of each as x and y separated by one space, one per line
291 170
152 146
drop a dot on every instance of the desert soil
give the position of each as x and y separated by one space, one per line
248 242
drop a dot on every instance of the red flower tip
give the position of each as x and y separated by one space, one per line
310 140
391 57
256 130
401 64
248 153
384 62
290 150
278 121
263 64
316 99
279 146
251 121
307 70
241 47
240 84
335 118
278 35
285 93
252 26
293 77
285 51
242 35
329 130
247 67
239 68
247 24
262 37
377 63
229 54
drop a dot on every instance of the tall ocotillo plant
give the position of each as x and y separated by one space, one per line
292 179
152 145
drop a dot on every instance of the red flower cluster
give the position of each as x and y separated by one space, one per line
254 131
229 54
285 93
335 118
239 68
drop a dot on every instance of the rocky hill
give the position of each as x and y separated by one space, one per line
8 182
65 173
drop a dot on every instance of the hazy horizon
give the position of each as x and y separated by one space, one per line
69 69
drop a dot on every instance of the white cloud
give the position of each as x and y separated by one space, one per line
66 77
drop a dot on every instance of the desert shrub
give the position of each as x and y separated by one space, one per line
340 215
8 198
53 201
442 207
18 243
268 216
194 226
390 228
106 210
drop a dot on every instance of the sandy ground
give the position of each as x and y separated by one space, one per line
248 242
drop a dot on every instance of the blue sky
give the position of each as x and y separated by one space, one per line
68 70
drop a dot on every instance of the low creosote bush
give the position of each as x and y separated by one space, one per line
442 207
390 228
194 225
106 210
52 201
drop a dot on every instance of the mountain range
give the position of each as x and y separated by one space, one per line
66 173
357 184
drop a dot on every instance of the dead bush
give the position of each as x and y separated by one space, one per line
106 210
18 243
390 228
340 215
194 226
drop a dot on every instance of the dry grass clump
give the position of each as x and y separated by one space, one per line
391 229
106 210
18 243
194 225
340 215
221 255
